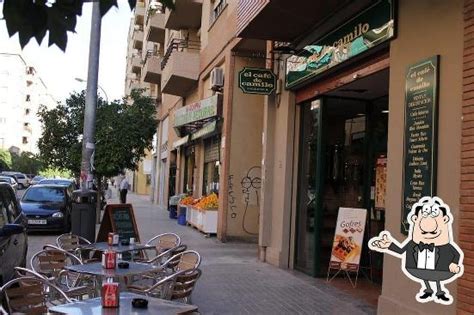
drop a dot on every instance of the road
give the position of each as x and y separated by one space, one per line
36 240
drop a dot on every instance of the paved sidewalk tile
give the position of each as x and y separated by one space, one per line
235 282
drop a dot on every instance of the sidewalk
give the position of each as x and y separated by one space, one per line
235 282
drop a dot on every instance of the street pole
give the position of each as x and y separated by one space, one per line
88 142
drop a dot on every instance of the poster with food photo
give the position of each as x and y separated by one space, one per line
348 238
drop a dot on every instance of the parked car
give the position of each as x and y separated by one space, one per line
36 180
13 237
47 207
59 181
11 181
22 180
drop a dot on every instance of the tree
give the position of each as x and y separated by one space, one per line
35 18
55 173
5 160
26 162
123 132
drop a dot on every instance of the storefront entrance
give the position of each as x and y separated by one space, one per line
342 163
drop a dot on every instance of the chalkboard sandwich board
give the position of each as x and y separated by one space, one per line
120 219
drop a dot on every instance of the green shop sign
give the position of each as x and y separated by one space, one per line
257 81
421 103
370 28
201 110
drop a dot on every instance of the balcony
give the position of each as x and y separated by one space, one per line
155 27
136 63
299 16
186 15
139 14
180 67
138 37
152 68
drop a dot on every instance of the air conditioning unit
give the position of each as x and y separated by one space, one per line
217 79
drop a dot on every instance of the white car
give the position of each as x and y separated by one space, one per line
22 180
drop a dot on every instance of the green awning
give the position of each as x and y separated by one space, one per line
204 131
180 142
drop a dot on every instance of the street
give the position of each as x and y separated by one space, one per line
233 280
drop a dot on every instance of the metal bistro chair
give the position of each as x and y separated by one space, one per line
50 263
31 295
163 247
74 244
77 292
178 286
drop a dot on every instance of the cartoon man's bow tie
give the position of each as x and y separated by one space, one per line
422 246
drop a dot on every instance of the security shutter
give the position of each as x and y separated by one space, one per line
211 150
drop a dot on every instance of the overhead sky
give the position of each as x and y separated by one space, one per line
59 69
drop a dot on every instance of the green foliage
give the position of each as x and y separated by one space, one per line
5 160
34 18
55 173
26 162
123 132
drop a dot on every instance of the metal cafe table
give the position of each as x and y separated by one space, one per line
155 306
119 248
97 270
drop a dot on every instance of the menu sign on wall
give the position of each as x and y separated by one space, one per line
421 104
348 239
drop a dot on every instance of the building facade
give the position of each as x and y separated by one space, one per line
339 134
139 50
209 135
22 93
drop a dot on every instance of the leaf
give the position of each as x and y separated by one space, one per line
132 3
105 6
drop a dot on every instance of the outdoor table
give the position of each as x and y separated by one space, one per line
97 270
94 306
119 248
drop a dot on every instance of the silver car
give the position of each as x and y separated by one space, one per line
11 181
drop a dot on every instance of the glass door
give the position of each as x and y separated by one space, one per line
309 188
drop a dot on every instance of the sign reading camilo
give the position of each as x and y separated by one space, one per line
373 26
347 245
257 81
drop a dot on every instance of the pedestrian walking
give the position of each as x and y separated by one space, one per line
124 186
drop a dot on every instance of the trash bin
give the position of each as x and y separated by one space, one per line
182 215
83 216
173 205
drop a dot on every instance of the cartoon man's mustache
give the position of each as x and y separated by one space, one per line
428 232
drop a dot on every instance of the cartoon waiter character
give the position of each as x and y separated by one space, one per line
429 253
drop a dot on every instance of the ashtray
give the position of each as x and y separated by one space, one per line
125 242
123 265
139 303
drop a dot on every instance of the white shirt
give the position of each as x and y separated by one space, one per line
124 184
426 259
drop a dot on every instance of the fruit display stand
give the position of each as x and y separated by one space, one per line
203 220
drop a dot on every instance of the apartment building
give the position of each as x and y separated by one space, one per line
341 134
140 53
209 137
22 93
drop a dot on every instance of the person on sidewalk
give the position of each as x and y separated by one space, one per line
124 186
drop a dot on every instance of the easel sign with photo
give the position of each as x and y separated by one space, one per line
348 243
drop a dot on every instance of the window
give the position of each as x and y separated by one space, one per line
217 7
28 97
27 111
44 194
25 140
26 124
211 166
3 215
3 120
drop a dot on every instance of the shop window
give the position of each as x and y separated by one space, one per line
211 166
